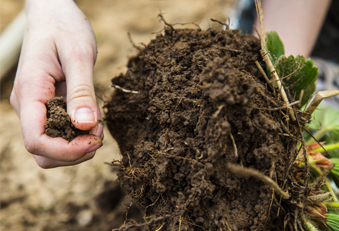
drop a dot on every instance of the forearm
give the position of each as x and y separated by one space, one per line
298 22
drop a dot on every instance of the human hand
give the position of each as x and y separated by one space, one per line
57 59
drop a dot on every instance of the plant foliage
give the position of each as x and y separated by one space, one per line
296 73
325 123
333 220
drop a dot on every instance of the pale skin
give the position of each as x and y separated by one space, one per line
57 59
298 22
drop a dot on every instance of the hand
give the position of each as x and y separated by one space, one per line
57 59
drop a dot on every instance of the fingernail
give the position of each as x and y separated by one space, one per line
84 115
95 147
99 112
98 130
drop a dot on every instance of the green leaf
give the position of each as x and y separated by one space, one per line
335 170
326 124
275 47
332 220
297 74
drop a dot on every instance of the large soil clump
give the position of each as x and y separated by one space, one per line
59 123
191 102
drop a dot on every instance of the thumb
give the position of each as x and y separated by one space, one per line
81 101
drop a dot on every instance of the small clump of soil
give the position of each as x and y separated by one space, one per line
59 123
191 102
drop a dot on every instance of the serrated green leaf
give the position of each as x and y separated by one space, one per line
332 220
297 74
275 47
333 211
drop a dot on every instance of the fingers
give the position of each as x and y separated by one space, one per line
77 60
46 163
58 47
37 142
64 150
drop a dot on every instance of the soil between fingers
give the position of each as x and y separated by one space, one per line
190 102
59 123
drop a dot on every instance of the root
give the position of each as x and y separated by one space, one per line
132 42
267 59
151 222
319 181
124 90
182 158
319 198
316 141
186 23
265 76
222 23
227 49
234 145
277 108
160 15
215 114
248 172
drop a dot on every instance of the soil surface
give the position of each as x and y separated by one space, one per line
59 123
34 199
191 102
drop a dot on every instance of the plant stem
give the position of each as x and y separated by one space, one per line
317 100
327 147
319 134
327 183
331 205
267 60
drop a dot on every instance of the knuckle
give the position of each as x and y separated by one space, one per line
84 53
80 91
30 146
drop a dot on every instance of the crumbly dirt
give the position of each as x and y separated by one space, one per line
37 199
59 123
194 93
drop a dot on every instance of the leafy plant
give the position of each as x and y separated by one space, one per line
325 124
333 220
298 76
296 73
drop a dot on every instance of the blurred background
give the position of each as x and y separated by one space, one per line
87 196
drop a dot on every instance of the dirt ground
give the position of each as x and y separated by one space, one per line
83 197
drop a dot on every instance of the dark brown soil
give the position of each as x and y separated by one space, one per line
196 91
59 123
